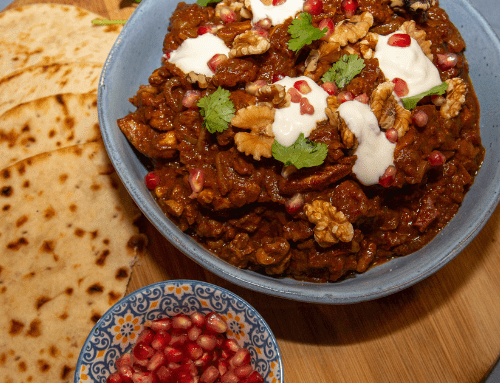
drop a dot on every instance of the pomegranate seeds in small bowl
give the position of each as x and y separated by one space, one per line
180 331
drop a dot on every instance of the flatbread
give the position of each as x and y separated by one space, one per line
67 241
44 80
49 33
47 124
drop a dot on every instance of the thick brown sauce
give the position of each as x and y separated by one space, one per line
240 215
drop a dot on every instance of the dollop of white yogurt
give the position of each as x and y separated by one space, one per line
375 153
276 13
289 123
408 63
194 53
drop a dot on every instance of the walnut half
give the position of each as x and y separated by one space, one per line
332 225
352 30
455 98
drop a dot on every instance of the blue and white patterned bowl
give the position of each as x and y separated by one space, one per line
118 328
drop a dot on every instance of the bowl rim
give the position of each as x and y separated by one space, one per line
193 283
294 290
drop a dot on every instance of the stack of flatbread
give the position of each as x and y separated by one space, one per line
67 233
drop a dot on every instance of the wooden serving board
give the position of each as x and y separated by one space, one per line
445 329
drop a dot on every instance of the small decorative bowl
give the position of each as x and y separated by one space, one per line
117 330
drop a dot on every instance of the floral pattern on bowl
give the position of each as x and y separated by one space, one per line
117 330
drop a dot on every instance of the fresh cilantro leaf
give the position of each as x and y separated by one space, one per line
344 70
301 154
204 3
303 32
411 102
217 110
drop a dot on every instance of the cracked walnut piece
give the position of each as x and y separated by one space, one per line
332 225
200 79
259 119
352 30
348 137
320 60
249 43
235 6
455 98
410 28
275 95
389 112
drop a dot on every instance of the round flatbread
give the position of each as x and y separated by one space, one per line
47 124
44 80
67 239
48 33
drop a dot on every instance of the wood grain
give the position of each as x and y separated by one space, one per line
445 329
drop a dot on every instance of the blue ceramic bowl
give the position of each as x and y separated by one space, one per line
138 52
116 331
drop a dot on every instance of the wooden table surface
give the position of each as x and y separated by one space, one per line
444 329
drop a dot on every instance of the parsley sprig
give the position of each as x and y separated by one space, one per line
217 110
301 154
411 102
303 32
343 71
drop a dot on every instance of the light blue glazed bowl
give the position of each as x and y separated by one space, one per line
138 52
116 331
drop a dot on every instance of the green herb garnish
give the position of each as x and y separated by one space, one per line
217 110
302 154
303 32
411 102
204 3
344 70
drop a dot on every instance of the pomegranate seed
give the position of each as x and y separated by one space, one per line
190 99
400 87
193 350
401 40
446 61
253 87
260 31
438 100
157 360
349 7
207 29
388 177
126 373
264 23
227 15
294 205
240 358
162 324
204 360
215 323
306 107
330 88
302 86
164 374
436 158
392 135
207 342
182 321
216 60
143 351
188 367
278 76
139 362
143 377
345 96
193 333
114 378
420 118
363 98
174 366
230 346
295 95
178 340
243 371
327 23
255 377
124 360
278 2
222 366
166 54
314 7
210 375
152 180
229 377
198 319
174 355
161 340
